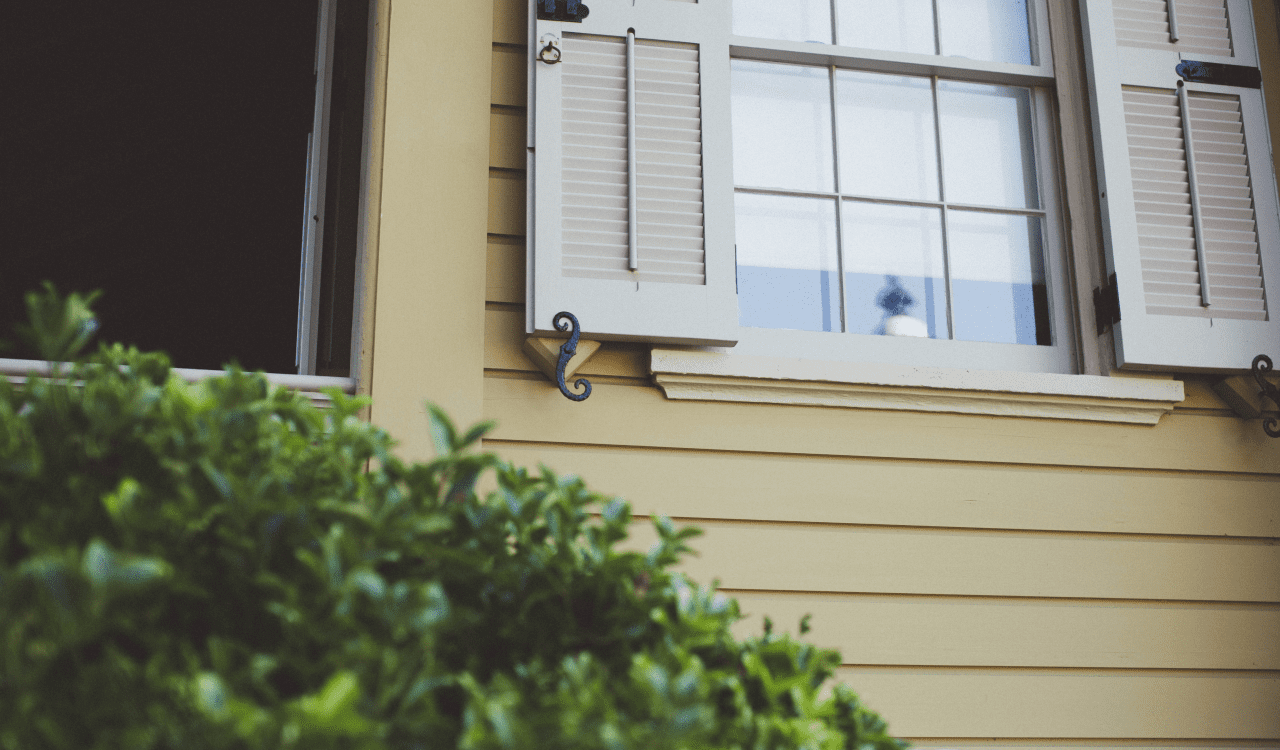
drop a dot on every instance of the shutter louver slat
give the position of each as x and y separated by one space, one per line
1203 26
595 106
669 156
1230 226
1162 199
668 161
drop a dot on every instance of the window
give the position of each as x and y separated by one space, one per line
879 182
199 163
883 204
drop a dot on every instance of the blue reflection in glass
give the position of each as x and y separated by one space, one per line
799 299
1001 312
866 292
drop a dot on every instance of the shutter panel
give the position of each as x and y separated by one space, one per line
654 184
1187 184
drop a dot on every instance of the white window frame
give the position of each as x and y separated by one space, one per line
804 368
1061 356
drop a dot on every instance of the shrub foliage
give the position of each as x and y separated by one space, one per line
224 565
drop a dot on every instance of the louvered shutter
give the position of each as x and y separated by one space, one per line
1187 185
631 221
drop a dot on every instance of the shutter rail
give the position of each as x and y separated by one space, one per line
1184 106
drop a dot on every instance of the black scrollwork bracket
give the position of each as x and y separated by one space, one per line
565 321
1261 366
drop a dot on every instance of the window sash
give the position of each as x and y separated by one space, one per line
1039 78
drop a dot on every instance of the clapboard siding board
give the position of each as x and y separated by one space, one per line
506 138
509 202
965 632
507 79
533 410
923 703
835 559
510 21
814 489
504 276
506 203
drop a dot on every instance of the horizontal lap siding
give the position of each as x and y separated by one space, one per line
984 578
1068 704
991 632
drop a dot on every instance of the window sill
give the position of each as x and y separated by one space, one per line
17 370
716 376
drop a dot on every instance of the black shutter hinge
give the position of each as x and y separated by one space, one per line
1106 305
562 10
1219 74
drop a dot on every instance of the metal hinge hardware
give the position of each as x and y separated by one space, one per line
1106 305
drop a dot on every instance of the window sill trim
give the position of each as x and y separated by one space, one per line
717 376
17 370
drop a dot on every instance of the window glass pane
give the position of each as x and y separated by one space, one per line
985 30
888 146
894 280
782 126
988 156
793 20
898 25
997 278
787 262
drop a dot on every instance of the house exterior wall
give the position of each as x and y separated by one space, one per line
991 581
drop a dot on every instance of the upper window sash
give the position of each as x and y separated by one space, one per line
910 63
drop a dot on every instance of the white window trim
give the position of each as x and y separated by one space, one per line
685 374
17 371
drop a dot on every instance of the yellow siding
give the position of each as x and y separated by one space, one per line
990 581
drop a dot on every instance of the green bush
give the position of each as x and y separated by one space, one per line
223 565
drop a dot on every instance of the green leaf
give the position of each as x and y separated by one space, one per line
332 710
58 328
443 434
104 567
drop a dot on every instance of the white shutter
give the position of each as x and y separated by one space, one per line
654 187
1188 191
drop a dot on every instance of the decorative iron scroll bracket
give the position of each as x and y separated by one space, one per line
562 10
1261 366
1220 74
565 321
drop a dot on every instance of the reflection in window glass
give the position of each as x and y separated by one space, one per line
896 25
888 145
787 273
894 278
988 156
792 20
782 126
997 278
985 30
